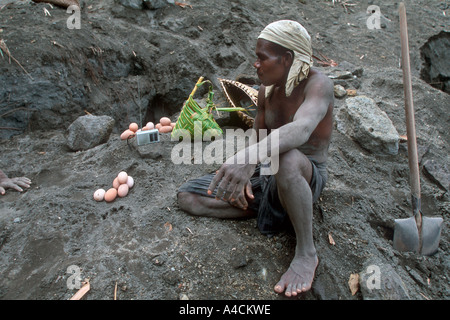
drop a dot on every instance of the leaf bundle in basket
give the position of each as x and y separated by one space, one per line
192 112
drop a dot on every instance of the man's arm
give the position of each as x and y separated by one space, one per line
243 189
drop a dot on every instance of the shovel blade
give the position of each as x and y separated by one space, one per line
406 235
431 234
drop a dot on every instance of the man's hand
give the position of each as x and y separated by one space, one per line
241 200
233 181
13 183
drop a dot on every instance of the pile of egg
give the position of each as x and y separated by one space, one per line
121 185
165 125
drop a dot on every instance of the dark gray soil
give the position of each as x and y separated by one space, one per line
137 65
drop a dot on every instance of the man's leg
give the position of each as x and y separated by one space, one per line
199 205
293 178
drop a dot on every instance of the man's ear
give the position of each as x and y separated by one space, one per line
288 58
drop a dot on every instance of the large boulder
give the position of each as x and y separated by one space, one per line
362 120
89 131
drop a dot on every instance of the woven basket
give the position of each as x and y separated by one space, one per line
240 95
61 3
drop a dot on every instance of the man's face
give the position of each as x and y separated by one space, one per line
270 65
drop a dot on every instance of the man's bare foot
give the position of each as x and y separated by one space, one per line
299 277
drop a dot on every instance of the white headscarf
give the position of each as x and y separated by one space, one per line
291 35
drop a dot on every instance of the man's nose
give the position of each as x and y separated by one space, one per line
256 64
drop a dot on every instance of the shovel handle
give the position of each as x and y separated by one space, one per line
409 106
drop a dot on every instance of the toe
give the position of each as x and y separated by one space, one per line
288 291
294 290
305 287
279 288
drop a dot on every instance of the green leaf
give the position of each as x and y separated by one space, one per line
231 109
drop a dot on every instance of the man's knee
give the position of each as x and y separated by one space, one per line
293 165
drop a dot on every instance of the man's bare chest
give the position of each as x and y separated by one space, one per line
280 113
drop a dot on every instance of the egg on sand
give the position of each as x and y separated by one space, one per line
116 183
165 129
123 190
165 121
130 182
126 134
133 126
99 194
111 194
121 186
122 177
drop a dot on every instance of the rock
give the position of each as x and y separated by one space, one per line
351 92
171 277
358 72
379 281
341 75
157 4
89 131
354 70
346 75
362 120
184 296
339 91
416 277
239 262
133 4
324 287
438 172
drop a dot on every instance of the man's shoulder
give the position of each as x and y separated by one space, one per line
319 84
318 77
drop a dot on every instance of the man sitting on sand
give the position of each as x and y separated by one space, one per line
298 102
13 183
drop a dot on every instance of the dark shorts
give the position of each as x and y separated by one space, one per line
271 216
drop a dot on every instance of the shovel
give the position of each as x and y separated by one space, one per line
418 233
